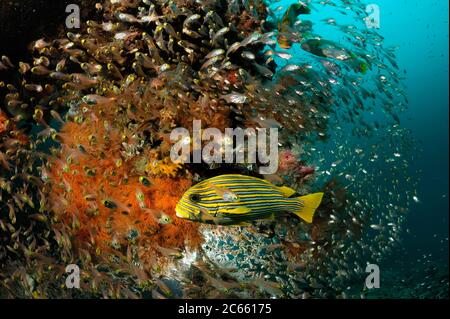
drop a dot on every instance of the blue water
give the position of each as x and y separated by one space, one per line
420 30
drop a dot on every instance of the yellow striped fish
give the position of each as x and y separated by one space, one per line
239 199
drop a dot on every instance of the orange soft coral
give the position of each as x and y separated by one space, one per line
3 122
110 207
164 167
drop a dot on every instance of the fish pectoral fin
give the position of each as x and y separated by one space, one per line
237 210
287 191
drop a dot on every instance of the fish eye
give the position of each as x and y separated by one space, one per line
194 197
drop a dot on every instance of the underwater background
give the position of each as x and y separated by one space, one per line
364 119
420 31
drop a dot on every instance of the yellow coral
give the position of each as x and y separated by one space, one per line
164 167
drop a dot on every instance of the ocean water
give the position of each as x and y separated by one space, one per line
420 31
363 110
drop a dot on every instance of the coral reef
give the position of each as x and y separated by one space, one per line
86 175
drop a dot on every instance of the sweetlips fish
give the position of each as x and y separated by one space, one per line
240 200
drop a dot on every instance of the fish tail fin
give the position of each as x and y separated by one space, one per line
309 205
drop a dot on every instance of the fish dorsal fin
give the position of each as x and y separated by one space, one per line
238 210
287 191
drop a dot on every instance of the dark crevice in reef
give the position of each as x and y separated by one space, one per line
23 21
